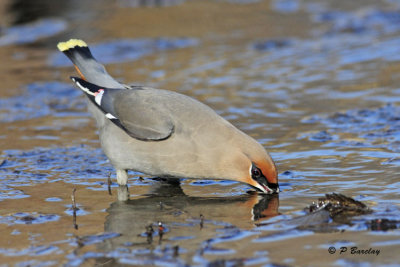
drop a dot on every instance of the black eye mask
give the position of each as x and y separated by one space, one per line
258 176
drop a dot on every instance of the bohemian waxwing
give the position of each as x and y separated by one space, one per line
164 133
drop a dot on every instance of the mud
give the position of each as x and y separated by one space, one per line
315 82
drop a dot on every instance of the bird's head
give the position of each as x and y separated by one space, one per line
256 168
263 176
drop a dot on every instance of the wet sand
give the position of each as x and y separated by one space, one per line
315 82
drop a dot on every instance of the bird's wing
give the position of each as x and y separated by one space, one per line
140 117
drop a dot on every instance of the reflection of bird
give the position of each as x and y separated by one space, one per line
181 216
137 220
166 134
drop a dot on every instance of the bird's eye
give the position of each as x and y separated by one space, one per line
256 172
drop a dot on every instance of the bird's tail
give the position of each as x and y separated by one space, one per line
86 65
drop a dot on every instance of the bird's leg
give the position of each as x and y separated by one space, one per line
122 177
123 193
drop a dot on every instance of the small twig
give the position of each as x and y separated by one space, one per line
149 233
109 182
176 251
73 199
160 231
201 221
74 208
79 241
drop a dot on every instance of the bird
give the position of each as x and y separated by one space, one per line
163 133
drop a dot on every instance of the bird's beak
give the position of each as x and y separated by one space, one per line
264 187
267 188
269 184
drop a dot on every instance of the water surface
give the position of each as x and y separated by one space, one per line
316 83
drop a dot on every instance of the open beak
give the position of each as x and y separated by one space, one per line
268 188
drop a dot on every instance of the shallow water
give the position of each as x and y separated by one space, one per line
315 82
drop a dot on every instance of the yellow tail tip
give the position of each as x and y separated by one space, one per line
64 46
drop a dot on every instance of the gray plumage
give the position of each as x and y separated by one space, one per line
163 133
